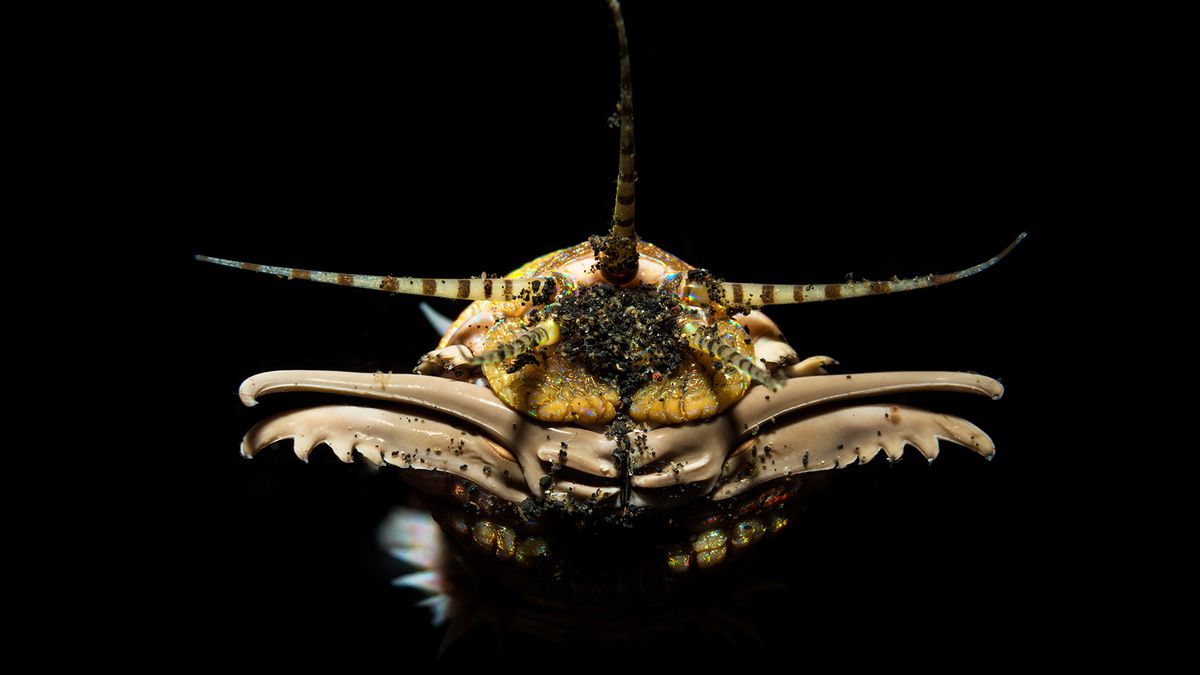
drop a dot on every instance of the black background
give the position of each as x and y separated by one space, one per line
776 143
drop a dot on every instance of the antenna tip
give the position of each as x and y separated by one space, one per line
1008 249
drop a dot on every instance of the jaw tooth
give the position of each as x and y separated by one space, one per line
370 452
344 452
303 446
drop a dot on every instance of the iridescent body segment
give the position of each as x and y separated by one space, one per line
558 389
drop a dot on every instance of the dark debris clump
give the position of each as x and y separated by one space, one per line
616 257
526 359
625 337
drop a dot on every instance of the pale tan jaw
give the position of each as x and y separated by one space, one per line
713 455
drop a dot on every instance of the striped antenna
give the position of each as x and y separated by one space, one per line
759 295
729 356
462 289
546 332
623 225
616 254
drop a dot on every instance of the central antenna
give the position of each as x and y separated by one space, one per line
616 254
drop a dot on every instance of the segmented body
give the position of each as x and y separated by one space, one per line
650 360
556 388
